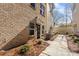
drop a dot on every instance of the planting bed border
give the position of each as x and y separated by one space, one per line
73 47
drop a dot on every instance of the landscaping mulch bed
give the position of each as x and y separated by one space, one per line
34 50
37 49
73 47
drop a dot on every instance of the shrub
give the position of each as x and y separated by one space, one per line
24 49
39 42
67 33
48 36
76 40
73 37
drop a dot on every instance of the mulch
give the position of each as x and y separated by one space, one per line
73 47
35 49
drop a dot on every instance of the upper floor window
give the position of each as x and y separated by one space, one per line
33 5
42 9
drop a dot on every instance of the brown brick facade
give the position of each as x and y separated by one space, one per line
14 23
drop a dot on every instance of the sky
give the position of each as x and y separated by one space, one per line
59 13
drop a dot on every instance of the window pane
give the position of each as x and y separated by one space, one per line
42 29
42 9
31 32
31 25
33 5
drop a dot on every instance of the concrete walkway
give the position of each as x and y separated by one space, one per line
58 47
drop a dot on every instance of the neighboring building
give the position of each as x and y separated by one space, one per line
65 29
50 7
19 21
75 16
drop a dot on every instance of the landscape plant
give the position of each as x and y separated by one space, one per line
24 49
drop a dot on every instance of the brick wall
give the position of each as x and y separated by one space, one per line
76 17
14 21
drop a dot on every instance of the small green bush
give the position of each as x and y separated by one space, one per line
73 37
76 40
24 49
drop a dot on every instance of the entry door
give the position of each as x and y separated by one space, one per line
38 31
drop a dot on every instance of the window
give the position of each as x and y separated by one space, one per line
32 25
31 32
42 9
33 5
31 29
43 29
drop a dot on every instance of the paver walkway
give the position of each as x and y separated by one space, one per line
58 47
